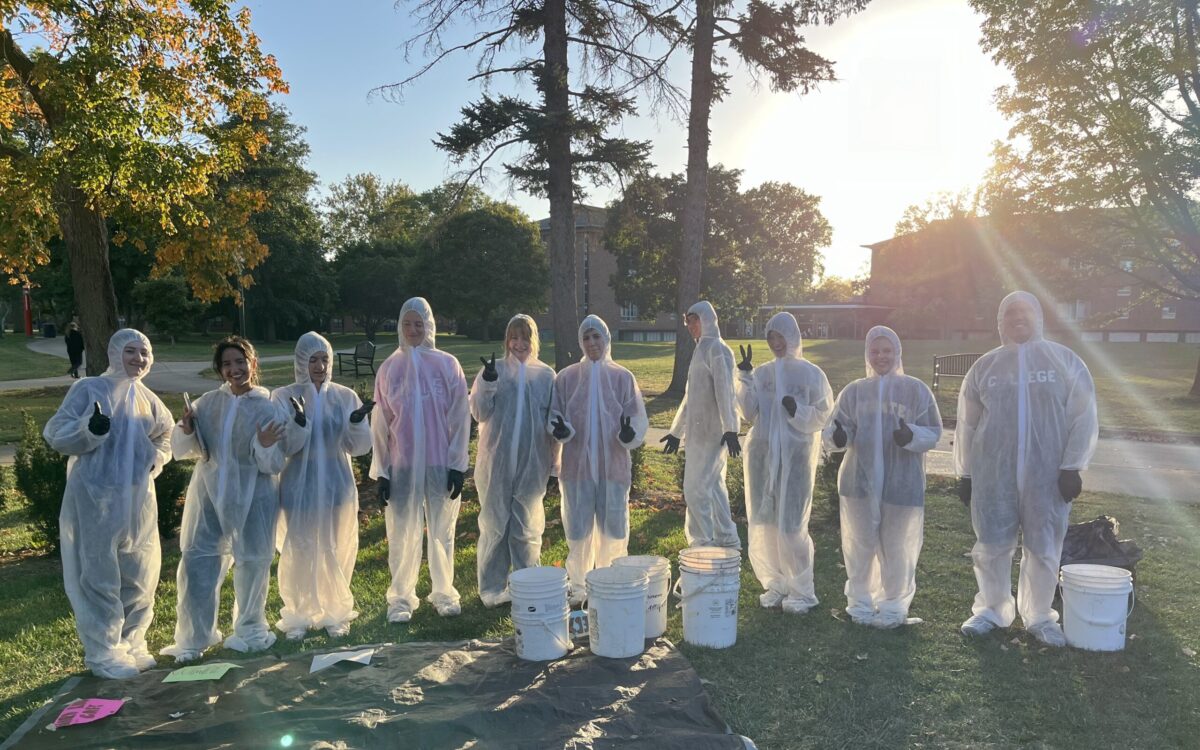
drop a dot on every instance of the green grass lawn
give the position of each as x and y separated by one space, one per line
19 362
811 681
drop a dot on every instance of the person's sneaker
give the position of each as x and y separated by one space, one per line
119 671
490 600
337 631
184 656
296 635
400 615
770 599
143 660
797 606
977 626
1049 633
505 597
448 608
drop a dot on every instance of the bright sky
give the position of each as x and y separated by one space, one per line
911 115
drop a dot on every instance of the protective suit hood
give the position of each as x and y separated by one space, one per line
595 323
785 325
117 344
887 333
535 340
1039 321
308 345
420 306
708 319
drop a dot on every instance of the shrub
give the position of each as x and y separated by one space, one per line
637 471
42 478
170 487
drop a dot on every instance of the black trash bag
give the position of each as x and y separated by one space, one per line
1095 542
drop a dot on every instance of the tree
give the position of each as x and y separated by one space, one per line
560 136
167 305
944 205
767 38
762 245
371 279
483 263
115 117
836 290
363 208
1105 105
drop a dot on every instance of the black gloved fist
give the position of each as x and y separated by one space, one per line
489 369
839 435
747 352
561 431
1070 484
672 444
789 404
361 412
964 491
383 486
626 435
454 483
99 424
298 408
902 435
730 441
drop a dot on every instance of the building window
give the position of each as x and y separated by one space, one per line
1124 291
1126 265
1168 312
629 312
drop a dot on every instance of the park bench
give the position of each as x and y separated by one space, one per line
952 366
362 356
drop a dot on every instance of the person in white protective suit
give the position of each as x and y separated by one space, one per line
515 457
318 521
1027 426
231 505
788 402
599 417
707 422
885 422
419 440
117 434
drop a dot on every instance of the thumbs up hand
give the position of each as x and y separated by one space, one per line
626 435
902 435
99 424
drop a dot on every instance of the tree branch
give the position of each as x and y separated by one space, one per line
24 68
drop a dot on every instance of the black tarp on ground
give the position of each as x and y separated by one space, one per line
472 694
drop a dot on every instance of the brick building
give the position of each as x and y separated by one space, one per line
947 280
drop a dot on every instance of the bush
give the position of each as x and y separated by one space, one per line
637 471
170 487
42 478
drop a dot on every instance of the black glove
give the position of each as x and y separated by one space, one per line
964 491
1070 484
298 408
454 483
99 424
672 444
361 412
384 486
747 352
626 435
489 369
789 404
730 441
839 435
903 435
561 431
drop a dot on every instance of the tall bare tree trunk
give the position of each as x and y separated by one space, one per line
86 237
695 202
560 186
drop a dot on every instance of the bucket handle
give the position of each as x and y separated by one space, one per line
557 641
1132 604
677 590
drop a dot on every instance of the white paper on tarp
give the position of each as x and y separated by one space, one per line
321 661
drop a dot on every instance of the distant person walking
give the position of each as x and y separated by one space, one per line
74 348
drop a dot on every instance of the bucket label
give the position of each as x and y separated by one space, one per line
519 641
578 623
731 607
593 623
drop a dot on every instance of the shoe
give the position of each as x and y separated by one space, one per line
116 671
977 626
490 601
295 635
448 608
893 620
251 644
400 615
183 656
770 599
337 631
1049 633
143 660
505 597
861 614
797 606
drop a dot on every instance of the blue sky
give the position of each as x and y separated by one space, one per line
910 115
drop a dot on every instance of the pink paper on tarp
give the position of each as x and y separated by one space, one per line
87 710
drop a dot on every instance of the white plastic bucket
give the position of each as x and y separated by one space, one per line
538 591
709 582
658 571
543 636
617 611
1097 600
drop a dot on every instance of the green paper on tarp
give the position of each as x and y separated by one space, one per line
198 672
420 695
